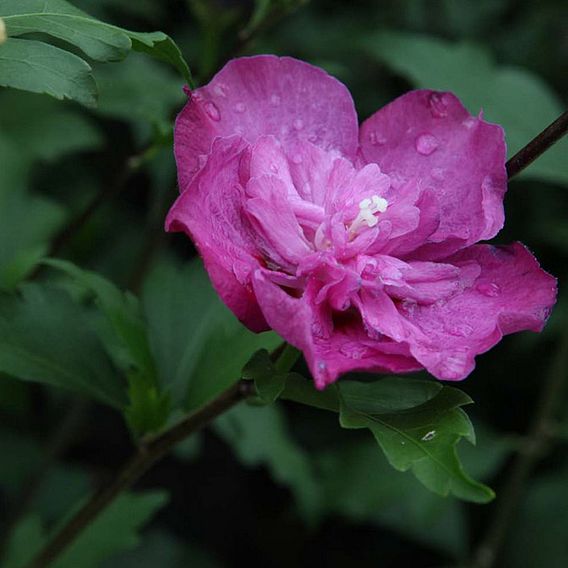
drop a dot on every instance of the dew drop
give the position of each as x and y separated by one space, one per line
298 124
285 130
297 159
353 350
220 90
429 436
426 144
470 122
373 137
312 138
489 289
274 168
240 107
438 105
212 111
275 100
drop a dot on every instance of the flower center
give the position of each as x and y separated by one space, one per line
368 208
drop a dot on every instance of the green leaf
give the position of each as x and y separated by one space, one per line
98 40
199 346
114 530
139 90
27 223
45 337
42 68
257 434
359 484
517 99
268 381
60 19
422 439
43 128
34 66
301 390
148 407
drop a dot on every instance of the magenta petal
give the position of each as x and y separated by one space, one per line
265 94
430 137
329 352
512 293
210 212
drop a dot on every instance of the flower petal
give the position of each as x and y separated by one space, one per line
329 349
511 293
430 137
210 212
265 94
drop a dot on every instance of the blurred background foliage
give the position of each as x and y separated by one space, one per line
281 485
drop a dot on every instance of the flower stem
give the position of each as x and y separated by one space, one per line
538 145
148 453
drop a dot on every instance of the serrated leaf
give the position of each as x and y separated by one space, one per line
422 439
45 337
38 67
517 99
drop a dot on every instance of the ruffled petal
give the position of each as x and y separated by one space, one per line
210 211
330 348
430 137
510 293
265 94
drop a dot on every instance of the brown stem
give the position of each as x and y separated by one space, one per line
538 145
143 459
536 446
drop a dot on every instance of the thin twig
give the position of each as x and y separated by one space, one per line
152 450
536 446
538 145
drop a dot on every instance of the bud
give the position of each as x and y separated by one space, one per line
3 35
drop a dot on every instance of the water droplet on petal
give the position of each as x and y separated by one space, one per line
408 307
298 124
373 137
220 90
426 144
212 111
470 122
312 138
353 350
285 130
438 105
240 107
274 168
275 100
297 158
490 289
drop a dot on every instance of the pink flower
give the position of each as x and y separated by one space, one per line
357 245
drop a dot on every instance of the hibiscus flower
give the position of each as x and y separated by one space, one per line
356 244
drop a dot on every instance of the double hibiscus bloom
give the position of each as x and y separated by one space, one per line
357 245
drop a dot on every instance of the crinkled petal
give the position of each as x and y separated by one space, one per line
430 137
265 94
280 236
329 349
511 293
210 212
